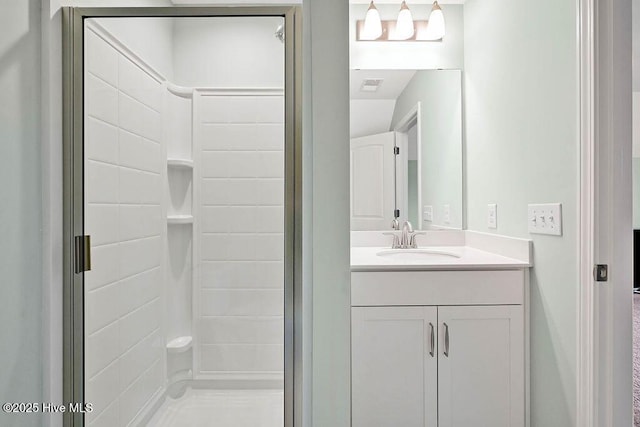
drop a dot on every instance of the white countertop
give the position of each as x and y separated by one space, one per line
366 258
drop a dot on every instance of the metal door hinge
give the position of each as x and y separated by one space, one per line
396 150
83 254
601 272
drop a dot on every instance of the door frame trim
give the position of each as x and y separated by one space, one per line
586 124
73 198
604 345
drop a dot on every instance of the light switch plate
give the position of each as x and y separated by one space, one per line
427 213
446 214
492 215
545 219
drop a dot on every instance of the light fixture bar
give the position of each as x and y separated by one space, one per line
388 31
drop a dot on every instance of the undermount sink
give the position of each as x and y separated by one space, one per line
417 254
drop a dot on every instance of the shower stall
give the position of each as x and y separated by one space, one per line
180 211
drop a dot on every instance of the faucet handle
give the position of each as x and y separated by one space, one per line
412 239
396 239
395 224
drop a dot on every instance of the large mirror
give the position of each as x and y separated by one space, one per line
406 149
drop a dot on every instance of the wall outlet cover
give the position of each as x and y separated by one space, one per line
427 213
446 214
492 215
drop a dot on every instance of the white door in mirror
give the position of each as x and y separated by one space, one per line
545 219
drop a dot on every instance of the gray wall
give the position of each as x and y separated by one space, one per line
440 95
329 108
636 193
522 147
20 214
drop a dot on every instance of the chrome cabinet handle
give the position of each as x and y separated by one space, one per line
433 339
446 339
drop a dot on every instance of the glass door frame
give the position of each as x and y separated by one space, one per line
73 20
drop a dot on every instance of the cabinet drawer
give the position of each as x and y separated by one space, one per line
372 288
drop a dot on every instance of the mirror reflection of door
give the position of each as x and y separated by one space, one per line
373 181
423 109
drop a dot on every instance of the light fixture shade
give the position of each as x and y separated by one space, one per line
435 27
372 28
404 24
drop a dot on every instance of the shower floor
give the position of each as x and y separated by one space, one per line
222 408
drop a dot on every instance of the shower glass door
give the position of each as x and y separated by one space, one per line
187 195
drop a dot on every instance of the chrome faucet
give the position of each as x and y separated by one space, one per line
406 240
406 237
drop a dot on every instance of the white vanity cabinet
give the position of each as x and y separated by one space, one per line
429 349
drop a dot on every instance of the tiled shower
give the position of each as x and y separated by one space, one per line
184 194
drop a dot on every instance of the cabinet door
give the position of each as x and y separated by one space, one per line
394 366
481 370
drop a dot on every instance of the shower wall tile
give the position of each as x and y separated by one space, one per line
242 192
242 109
104 141
101 307
140 289
137 256
139 119
242 274
136 83
101 58
139 187
139 221
103 388
241 297
101 182
101 99
269 247
138 324
101 349
107 418
138 359
104 263
104 218
246 302
242 330
140 391
140 153
242 136
124 195
243 357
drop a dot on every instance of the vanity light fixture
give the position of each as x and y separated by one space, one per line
404 23
402 29
372 28
435 28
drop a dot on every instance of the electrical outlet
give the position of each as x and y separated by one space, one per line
446 214
427 213
545 219
492 215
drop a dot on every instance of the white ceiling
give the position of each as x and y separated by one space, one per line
394 83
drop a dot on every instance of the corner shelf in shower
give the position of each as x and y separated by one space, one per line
180 219
180 344
180 163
